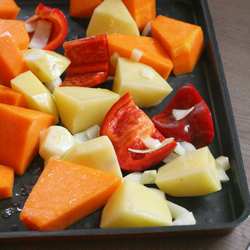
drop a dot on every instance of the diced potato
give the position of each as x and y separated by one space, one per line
36 94
112 16
81 108
55 141
147 87
48 66
97 153
134 205
192 174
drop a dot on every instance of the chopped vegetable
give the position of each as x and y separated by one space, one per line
19 132
112 16
90 133
134 205
126 125
16 29
11 97
55 141
97 153
223 177
180 114
83 8
189 147
197 127
11 61
147 29
183 42
37 96
8 9
179 150
143 11
192 174
153 54
223 162
136 55
7 182
148 177
136 177
65 193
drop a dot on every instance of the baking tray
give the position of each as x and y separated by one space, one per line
216 213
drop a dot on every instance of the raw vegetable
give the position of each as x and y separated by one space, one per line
11 61
83 8
223 162
112 16
153 54
59 24
8 9
145 85
197 127
90 133
183 42
142 11
136 177
19 132
65 193
97 153
126 126
17 31
148 177
36 94
7 182
81 108
134 205
55 142
11 97
192 174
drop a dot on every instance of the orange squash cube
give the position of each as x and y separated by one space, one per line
8 9
6 182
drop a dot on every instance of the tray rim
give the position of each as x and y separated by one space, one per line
123 232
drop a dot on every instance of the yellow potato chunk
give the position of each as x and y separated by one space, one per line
97 153
192 174
81 108
134 205
36 94
112 16
147 87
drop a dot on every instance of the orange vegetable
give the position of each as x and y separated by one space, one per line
143 11
66 193
183 41
17 30
6 182
8 9
83 8
11 97
153 54
19 135
11 60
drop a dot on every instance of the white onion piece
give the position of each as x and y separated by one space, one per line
223 162
150 150
170 158
179 114
30 26
93 132
80 137
179 150
148 177
136 55
114 58
135 177
147 29
223 177
189 147
41 35
186 128
151 142
54 84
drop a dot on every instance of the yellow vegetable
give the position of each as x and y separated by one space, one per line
81 108
192 174
134 205
112 16
146 86
97 153
36 94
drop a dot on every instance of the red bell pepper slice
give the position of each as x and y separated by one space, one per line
59 22
197 127
85 80
126 125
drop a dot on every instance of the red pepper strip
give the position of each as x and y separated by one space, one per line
126 125
85 80
59 21
197 127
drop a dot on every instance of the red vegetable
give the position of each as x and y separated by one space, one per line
87 55
59 21
126 125
197 127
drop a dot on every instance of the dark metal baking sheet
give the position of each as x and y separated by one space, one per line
215 213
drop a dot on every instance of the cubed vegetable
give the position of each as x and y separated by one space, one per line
11 97
8 9
83 8
7 182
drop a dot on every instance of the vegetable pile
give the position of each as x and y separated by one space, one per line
100 149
